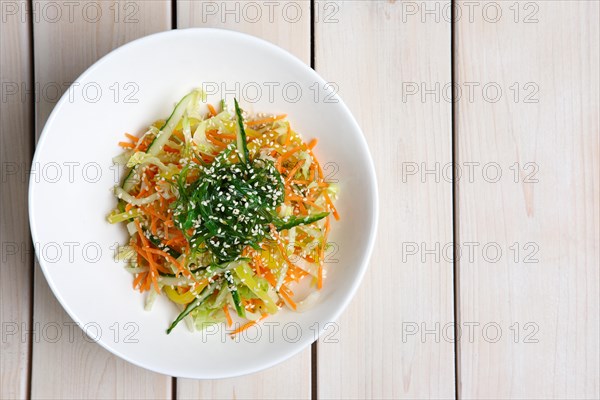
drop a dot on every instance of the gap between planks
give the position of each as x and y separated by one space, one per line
314 359
33 130
455 205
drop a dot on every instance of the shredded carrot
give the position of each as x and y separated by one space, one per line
257 263
321 262
320 277
286 290
330 203
146 257
167 256
179 135
153 266
322 254
224 135
214 140
149 210
247 325
154 280
147 283
141 234
141 193
313 194
265 120
212 110
302 208
294 170
153 228
138 279
288 299
321 174
300 272
313 204
270 278
174 261
227 315
127 145
288 154
320 271
131 137
300 200
312 143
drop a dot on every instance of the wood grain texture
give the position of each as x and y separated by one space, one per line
287 24
375 57
72 367
16 138
288 380
529 316
549 209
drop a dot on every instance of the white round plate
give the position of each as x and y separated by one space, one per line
71 195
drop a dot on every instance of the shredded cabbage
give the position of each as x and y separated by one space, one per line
222 218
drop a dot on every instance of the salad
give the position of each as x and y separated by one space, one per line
226 213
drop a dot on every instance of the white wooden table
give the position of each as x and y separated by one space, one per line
507 92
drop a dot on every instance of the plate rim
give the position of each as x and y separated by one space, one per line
374 212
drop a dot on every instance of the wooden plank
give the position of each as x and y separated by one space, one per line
541 133
16 139
68 38
378 53
289 380
287 24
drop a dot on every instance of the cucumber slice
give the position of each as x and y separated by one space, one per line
242 145
190 307
163 135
